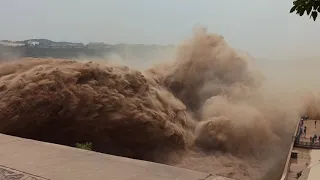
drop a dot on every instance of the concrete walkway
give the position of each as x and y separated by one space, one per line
314 166
24 159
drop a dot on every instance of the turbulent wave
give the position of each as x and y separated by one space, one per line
209 109
113 107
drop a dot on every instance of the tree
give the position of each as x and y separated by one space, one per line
311 7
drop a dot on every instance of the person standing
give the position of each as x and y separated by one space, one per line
315 123
305 131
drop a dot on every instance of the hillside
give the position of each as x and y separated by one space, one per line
42 48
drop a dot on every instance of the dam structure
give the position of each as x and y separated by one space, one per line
25 159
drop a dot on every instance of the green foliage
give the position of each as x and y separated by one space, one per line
86 146
309 7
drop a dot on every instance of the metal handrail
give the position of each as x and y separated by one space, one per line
307 144
285 170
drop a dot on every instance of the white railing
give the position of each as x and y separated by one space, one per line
287 165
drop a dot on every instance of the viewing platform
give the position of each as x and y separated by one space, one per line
305 159
312 128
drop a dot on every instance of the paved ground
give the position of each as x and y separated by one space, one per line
300 164
314 166
33 160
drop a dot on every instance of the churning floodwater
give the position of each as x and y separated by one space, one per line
209 108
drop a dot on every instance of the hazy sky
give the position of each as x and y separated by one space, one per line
264 28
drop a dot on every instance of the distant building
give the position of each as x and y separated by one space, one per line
43 43
12 44
32 43
96 45
76 45
62 45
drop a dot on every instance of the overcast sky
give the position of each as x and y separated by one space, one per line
264 28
